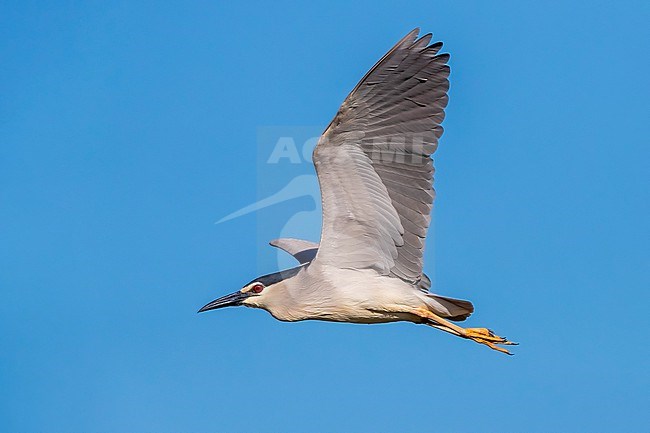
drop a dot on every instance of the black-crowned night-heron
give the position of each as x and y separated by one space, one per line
375 172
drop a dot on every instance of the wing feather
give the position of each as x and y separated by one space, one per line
374 162
302 250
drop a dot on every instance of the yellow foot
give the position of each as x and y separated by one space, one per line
487 337
480 335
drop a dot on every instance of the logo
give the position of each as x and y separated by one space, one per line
288 201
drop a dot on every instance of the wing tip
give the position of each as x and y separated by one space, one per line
410 38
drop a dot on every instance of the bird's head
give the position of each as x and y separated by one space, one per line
257 293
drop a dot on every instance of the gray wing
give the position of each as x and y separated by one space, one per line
301 250
374 162
305 251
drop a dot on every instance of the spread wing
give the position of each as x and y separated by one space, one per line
374 162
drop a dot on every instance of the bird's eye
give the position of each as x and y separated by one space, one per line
257 288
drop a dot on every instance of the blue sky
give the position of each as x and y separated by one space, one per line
128 128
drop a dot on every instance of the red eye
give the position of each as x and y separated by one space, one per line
257 288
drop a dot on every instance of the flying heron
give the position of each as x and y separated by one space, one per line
375 173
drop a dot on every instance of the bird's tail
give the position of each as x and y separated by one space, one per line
450 308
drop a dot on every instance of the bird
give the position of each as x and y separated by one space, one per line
375 170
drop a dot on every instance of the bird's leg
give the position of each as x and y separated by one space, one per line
479 335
